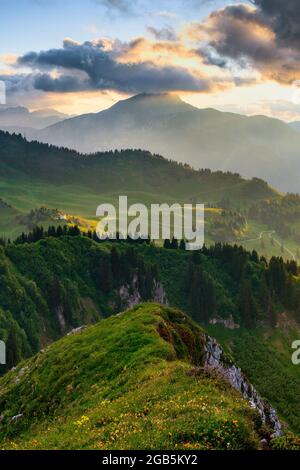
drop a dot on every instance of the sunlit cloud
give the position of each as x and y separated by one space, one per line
221 60
8 59
252 39
141 65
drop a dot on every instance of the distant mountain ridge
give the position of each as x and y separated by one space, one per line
20 119
255 146
128 171
295 125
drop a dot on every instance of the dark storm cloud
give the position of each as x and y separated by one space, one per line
232 33
285 18
94 68
282 17
265 37
64 83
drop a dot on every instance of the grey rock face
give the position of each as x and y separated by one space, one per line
159 294
215 358
75 331
131 296
16 418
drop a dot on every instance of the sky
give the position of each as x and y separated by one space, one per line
81 56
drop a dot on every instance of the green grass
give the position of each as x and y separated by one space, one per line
252 240
78 201
127 383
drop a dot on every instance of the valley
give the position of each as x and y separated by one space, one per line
235 207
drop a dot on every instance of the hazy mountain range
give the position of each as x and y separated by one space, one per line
205 138
253 146
295 125
20 119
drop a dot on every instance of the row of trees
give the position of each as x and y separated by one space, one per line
258 288
39 233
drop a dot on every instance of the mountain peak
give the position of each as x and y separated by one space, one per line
167 96
153 104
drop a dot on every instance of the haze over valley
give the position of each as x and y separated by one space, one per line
255 146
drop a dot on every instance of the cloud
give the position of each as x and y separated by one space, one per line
61 84
284 16
118 6
237 32
264 37
16 83
139 7
166 14
8 59
164 34
93 65
235 46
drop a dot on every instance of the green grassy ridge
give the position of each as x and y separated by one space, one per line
128 382
76 264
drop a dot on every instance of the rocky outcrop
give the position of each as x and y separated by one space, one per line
214 357
77 330
159 294
16 418
130 294
61 318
